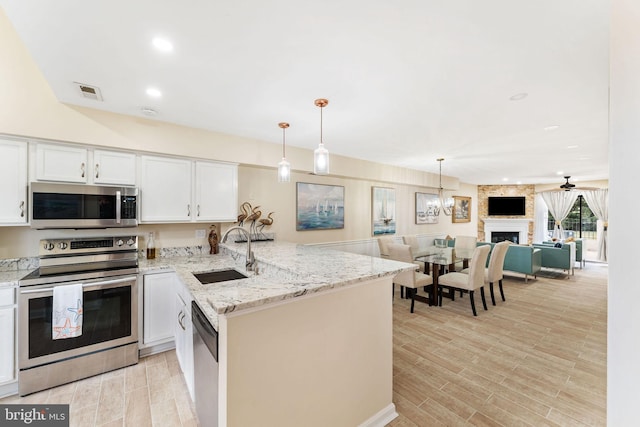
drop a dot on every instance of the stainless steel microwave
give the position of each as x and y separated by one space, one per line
82 206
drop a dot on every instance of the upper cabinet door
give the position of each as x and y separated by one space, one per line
113 167
61 163
165 189
13 182
216 192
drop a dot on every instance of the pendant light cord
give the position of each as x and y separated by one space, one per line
321 108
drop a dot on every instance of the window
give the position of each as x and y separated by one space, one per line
580 223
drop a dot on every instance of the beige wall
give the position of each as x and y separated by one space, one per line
29 109
259 186
278 356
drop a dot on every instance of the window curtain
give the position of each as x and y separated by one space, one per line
598 201
540 220
560 204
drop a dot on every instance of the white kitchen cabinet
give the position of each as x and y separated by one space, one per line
114 168
61 163
180 190
7 335
165 189
13 182
216 191
159 292
184 337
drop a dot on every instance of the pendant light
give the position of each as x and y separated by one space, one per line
284 167
445 203
321 155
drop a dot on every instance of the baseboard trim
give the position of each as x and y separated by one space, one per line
382 418
155 349
9 389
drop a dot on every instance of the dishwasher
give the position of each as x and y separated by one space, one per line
205 364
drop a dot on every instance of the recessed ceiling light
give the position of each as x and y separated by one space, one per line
552 127
518 96
571 147
148 111
163 45
519 182
505 179
153 92
584 158
560 173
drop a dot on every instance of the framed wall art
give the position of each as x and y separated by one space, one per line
426 208
319 206
383 210
461 209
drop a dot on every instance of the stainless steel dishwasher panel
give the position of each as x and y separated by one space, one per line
205 364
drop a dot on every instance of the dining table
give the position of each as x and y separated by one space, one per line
436 259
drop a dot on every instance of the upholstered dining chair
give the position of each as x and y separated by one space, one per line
383 243
468 282
411 280
495 271
465 244
415 250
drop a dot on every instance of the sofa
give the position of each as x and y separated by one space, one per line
522 259
563 257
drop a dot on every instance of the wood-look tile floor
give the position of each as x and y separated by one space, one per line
151 393
538 359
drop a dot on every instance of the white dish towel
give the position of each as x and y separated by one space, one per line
67 311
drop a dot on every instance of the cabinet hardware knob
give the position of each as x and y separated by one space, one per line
82 169
97 170
22 209
188 210
198 210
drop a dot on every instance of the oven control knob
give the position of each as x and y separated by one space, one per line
63 245
49 246
130 242
119 242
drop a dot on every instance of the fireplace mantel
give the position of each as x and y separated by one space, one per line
507 224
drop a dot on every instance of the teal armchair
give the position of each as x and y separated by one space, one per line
563 257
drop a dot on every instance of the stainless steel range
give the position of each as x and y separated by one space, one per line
107 269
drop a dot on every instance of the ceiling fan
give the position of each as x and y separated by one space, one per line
567 186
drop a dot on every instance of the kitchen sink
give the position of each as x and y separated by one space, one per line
219 276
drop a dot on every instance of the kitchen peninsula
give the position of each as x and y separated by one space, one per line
305 340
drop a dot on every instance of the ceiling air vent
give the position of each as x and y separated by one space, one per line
88 91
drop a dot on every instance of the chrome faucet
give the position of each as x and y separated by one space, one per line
250 260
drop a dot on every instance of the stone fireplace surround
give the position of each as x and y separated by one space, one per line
521 226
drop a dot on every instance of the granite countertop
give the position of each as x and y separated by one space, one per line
10 278
285 271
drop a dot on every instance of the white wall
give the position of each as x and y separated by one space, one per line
623 370
29 109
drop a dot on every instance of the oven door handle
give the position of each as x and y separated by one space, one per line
84 285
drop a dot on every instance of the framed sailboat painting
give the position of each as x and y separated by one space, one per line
319 206
383 210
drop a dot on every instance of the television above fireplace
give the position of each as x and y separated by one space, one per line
506 206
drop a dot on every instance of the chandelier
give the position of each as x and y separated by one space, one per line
442 203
